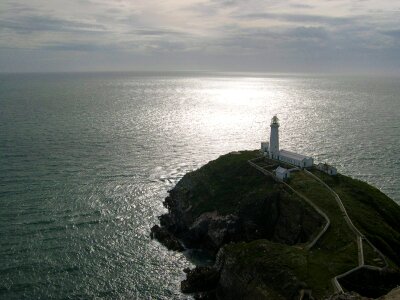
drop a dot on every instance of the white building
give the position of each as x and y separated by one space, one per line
274 139
272 149
327 169
282 173
264 148
296 159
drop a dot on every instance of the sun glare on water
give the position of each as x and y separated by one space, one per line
234 102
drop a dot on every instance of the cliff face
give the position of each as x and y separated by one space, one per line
276 215
258 230
256 270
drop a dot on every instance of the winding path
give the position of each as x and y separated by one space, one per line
307 200
359 236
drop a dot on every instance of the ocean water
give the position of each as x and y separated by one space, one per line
87 159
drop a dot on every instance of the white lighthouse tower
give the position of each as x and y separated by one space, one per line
274 138
272 150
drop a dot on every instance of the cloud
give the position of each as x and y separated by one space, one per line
207 33
256 40
393 33
29 24
299 18
77 47
309 32
157 32
301 5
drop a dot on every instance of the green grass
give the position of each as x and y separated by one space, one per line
277 264
270 261
339 234
227 183
336 251
371 257
372 212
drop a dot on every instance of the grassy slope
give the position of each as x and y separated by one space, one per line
269 261
275 265
229 182
339 235
316 268
372 212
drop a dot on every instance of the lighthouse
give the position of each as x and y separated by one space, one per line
272 150
274 139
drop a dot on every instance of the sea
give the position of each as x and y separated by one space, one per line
87 159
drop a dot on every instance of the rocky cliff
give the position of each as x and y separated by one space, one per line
257 209
255 228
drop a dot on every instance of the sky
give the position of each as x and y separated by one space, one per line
338 36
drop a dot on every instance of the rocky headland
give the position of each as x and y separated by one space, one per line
259 232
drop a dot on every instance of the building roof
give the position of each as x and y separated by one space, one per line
292 155
281 170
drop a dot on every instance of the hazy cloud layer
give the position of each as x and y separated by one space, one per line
237 35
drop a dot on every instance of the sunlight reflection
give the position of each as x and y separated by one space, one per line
237 101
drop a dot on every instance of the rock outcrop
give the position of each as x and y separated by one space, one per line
276 217
166 238
200 279
257 231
